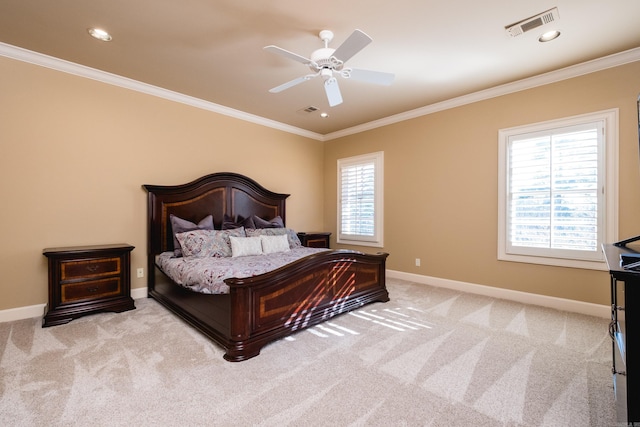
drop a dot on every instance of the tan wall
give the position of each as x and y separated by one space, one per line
75 153
441 179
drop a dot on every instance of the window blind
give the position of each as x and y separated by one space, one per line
358 199
553 194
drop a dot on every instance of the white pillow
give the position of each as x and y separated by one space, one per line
245 246
273 244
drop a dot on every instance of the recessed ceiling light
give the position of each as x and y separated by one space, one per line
99 34
548 36
324 115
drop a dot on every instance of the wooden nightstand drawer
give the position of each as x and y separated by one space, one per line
90 290
318 239
87 279
89 268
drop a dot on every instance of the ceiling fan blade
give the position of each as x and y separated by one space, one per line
369 76
287 54
289 84
333 92
354 44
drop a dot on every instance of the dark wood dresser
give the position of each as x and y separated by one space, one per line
624 330
316 239
87 279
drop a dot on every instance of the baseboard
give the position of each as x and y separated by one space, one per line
139 293
37 310
20 313
573 306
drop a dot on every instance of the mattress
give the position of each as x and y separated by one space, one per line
207 275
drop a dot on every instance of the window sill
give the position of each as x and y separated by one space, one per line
556 262
359 243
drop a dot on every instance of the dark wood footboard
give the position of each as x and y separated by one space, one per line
271 306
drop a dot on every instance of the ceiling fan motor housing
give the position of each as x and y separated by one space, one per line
324 58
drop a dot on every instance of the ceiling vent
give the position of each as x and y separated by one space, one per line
309 109
533 22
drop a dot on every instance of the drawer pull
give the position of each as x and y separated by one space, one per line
92 268
612 330
617 307
614 372
93 289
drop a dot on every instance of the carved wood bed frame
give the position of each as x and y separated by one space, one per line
263 308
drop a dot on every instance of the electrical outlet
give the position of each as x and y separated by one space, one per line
417 262
140 272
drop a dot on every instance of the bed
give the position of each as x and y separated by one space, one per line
266 307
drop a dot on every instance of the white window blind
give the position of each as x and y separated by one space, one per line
360 200
554 186
558 190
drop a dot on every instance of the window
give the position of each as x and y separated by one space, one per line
558 191
360 182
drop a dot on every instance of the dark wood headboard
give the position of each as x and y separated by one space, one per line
216 194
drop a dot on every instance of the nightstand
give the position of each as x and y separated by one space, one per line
87 279
319 239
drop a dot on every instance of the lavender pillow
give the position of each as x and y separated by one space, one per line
230 224
272 223
179 225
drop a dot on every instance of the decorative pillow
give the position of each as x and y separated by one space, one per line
273 244
272 223
245 246
294 240
251 232
222 244
230 224
196 243
179 225
207 243
292 236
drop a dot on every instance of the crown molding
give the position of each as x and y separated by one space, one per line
24 55
570 72
64 66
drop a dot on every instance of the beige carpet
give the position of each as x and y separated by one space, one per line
429 357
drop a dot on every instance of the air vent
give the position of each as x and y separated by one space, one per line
533 22
309 109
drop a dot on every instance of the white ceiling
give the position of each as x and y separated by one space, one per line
213 49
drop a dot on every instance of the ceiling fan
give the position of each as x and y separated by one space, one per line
329 63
